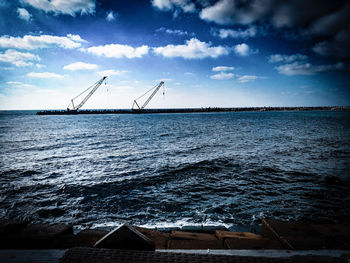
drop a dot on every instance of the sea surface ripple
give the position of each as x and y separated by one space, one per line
175 169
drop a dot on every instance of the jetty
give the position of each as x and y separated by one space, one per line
191 110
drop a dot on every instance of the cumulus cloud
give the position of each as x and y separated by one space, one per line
80 66
242 49
44 75
112 72
230 33
247 78
23 14
279 13
226 12
169 5
193 49
286 58
67 7
43 41
222 76
325 23
19 59
304 68
223 68
328 24
118 51
110 16
76 38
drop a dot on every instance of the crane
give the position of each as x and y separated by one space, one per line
93 88
155 90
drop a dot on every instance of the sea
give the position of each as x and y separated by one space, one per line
228 169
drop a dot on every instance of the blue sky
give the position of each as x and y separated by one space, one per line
223 53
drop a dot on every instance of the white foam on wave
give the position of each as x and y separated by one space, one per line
165 224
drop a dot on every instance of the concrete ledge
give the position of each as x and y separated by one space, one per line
91 255
31 256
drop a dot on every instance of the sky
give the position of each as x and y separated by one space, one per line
209 53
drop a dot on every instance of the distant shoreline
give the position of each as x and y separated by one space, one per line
194 110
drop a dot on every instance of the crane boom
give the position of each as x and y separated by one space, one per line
92 91
156 88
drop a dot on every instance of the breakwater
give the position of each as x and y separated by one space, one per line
188 110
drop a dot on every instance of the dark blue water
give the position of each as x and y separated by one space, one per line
175 169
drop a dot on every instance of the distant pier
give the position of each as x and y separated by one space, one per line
190 110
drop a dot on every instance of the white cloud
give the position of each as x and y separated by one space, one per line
193 49
223 68
303 68
168 5
110 16
118 51
242 49
68 7
44 75
76 38
189 74
222 12
19 59
112 72
230 11
177 32
80 66
42 41
247 78
225 33
286 58
222 76
23 14
18 85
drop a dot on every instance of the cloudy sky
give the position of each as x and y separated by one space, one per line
223 53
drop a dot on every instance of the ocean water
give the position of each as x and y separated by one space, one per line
229 169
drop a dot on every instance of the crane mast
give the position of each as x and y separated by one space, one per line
93 88
155 90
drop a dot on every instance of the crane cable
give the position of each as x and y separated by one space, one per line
147 92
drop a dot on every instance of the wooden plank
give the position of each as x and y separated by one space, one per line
159 239
192 236
227 234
